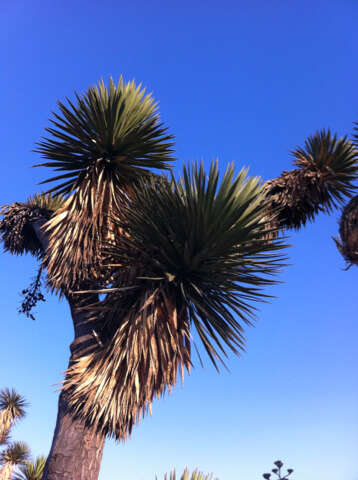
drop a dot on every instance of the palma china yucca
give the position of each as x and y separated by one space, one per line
144 259
31 469
15 454
12 409
16 462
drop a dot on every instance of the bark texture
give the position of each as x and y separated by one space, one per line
76 451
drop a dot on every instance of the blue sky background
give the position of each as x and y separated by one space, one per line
245 82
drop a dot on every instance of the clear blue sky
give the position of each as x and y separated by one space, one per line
238 80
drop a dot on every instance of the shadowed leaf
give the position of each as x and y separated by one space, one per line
16 226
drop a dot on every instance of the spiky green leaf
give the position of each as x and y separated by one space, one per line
115 127
31 470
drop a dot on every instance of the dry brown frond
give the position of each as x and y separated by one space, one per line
16 231
4 437
295 197
5 425
347 243
114 387
77 231
6 471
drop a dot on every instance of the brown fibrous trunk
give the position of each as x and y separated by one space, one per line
76 451
6 472
5 426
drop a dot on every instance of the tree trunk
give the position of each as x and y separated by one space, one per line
76 451
5 426
6 472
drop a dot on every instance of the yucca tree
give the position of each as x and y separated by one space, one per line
15 455
169 256
151 224
12 408
31 470
100 147
195 475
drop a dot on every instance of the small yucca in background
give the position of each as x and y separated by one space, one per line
31 470
15 455
12 409
196 475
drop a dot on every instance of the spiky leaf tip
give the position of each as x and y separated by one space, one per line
195 475
115 128
203 241
46 201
